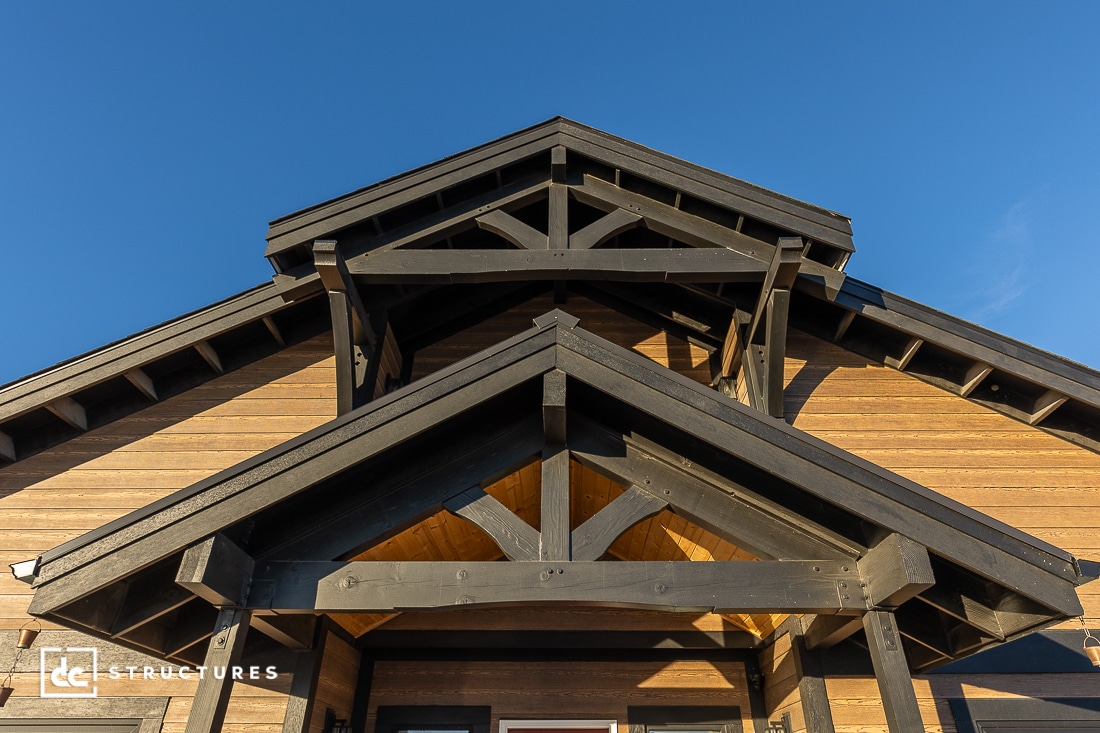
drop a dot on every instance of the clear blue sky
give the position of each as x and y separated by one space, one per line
145 146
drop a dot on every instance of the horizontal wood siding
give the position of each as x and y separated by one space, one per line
781 692
559 690
650 342
94 478
1018 474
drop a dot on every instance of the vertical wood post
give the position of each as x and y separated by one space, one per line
811 682
554 542
212 695
895 683
303 686
776 345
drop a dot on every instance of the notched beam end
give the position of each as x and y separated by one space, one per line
217 571
895 570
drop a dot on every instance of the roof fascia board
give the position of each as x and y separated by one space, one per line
774 208
955 334
331 216
328 217
135 351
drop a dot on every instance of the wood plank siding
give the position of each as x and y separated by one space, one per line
101 475
1019 474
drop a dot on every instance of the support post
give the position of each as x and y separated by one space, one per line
554 540
353 335
303 687
895 684
212 695
811 682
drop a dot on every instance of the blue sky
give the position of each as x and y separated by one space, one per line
145 146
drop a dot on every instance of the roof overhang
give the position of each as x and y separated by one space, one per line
958 581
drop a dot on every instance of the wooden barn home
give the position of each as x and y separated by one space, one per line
557 435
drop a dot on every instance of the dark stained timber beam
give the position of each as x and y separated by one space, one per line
895 570
142 383
7 448
553 407
974 376
729 510
335 277
212 696
210 355
811 680
604 228
147 599
895 683
294 632
353 335
782 271
558 223
1046 404
273 329
907 354
591 539
775 349
722 587
517 539
303 688
694 230
823 632
406 497
216 570
70 411
430 266
554 535
512 229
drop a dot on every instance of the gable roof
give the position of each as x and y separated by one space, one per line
675 198
359 478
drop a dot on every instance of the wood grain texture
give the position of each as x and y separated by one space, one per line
1011 471
336 682
101 475
652 343
549 690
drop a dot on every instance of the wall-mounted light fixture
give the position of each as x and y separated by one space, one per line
334 724
28 632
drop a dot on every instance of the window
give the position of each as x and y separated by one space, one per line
559 726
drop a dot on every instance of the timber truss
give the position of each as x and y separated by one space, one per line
272 543
719 262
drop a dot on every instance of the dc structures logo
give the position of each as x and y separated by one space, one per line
68 671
